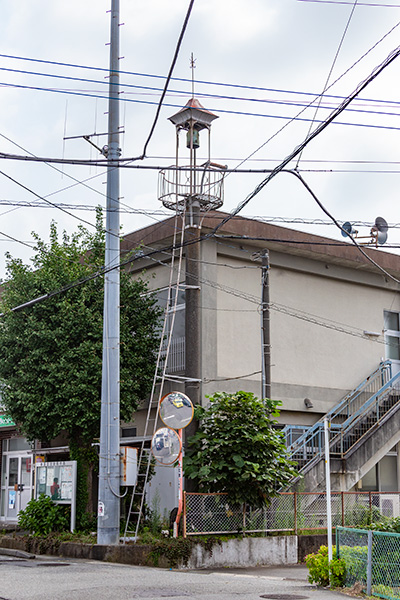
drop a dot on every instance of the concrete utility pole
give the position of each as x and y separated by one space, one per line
265 327
109 476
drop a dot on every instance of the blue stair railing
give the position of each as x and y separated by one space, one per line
349 420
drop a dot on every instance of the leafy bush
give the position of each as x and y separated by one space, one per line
362 516
355 558
42 516
237 450
325 573
390 524
385 591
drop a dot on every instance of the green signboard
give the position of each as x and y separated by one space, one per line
6 421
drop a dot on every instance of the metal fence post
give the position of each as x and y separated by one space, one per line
342 509
369 563
295 512
337 542
184 514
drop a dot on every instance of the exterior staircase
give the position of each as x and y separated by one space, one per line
364 426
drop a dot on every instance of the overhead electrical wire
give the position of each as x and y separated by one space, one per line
205 82
316 98
252 114
290 311
329 74
352 238
220 110
168 79
293 312
376 5
390 58
288 103
244 160
238 293
152 128
126 163
64 173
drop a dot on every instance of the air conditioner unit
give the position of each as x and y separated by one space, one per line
389 505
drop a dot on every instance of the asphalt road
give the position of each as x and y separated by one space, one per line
47 578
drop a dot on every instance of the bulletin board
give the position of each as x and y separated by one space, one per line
58 481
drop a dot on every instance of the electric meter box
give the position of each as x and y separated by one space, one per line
129 465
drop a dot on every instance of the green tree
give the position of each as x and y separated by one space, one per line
237 450
51 352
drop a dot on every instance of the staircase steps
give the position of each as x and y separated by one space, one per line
360 412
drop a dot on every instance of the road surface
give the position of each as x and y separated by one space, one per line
49 578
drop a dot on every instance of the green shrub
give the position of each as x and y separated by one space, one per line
362 516
389 524
384 591
325 573
42 516
355 558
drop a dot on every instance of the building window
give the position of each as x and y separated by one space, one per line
176 327
128 432
392 338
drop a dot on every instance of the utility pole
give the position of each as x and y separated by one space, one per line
109 467
265 327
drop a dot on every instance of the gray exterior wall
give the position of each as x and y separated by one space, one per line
323 299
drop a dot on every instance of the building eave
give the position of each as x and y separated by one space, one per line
273 237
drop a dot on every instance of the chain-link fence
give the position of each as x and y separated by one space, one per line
372 558
297 512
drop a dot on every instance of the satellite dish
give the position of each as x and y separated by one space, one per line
379 230
166 446
347 229
176 410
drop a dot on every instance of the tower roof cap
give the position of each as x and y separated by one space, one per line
193 113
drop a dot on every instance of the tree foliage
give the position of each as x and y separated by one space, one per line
51 352
237 450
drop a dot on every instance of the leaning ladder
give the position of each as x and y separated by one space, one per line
136 504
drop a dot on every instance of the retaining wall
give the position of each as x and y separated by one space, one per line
241 552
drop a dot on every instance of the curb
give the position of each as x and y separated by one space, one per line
16 553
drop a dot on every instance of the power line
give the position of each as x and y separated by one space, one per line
238 293
289 241
44 199
290 311
77 182
319 103
346 2
392 56
332 84
198 81
371 260
220 110
171 69
208 95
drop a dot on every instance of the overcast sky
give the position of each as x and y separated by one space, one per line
276 56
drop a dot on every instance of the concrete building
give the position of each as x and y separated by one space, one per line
333 318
